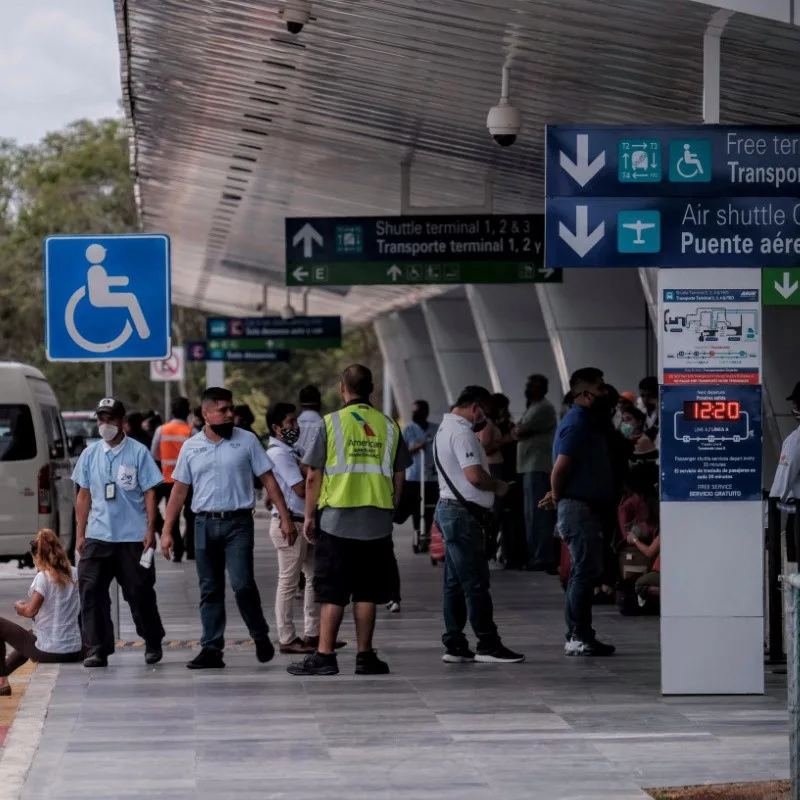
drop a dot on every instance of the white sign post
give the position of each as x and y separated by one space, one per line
170 370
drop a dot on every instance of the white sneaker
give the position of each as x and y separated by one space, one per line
574 647
394 607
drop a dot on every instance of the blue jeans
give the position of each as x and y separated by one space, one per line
539 524
220 543
581 527
466 580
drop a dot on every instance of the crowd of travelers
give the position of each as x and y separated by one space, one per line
568 491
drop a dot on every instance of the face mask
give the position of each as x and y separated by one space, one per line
796 414
225 429
108 432
290 435
626 429
419 419
479 424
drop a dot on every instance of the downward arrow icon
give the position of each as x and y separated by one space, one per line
580 170
307 235
786 289
581 241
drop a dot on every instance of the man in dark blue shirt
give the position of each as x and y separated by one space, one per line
582 488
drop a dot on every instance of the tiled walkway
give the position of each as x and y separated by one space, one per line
552 728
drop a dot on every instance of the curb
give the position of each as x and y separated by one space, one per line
26 731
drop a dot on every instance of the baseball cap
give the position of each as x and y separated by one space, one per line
795 395
111 405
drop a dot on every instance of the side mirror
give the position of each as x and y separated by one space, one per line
77 444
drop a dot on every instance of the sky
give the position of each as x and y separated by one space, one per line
58 62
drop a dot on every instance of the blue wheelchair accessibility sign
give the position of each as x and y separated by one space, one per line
107 298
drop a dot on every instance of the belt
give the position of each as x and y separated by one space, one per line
240 512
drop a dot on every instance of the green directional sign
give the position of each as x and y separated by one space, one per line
417 250
780 287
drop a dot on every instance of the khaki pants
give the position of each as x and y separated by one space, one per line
292 560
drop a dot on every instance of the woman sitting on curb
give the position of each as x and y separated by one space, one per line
54 607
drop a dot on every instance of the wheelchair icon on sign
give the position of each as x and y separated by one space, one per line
98 289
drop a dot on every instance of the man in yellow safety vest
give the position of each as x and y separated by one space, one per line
356 468
167 443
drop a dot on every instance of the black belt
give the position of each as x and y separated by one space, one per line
238 514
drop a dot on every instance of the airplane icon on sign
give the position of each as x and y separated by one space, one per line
639 227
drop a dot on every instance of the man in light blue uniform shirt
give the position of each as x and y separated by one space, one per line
219 463
419 435
116 517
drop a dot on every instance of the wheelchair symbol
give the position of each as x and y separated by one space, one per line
689 164
98 287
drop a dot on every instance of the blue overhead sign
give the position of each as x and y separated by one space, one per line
107 298
216 350
710 443
276 333
690 196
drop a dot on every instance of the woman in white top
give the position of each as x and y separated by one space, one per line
53 606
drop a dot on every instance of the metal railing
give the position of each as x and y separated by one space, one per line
791 594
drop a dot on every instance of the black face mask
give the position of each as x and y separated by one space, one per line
603 406
479 425
224 429
419 419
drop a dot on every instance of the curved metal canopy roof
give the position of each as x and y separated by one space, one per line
237 124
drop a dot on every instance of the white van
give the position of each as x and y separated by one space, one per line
36 489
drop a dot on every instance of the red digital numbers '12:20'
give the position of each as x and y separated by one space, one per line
712 410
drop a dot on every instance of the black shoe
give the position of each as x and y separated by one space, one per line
368 663
315 664
499 655
463 656
207 659
96 660
591 648
265 650
152 655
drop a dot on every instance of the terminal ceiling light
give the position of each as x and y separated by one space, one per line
504 121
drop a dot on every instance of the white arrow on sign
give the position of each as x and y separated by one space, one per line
300 274
307 235
394 272
580 170
546 272
786 289
581 241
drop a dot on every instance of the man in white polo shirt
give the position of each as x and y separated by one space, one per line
466 496
295 553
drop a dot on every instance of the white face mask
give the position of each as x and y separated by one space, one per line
107 431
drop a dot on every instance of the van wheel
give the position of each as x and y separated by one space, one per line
69 545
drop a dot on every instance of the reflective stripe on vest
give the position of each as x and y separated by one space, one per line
173 436
359 470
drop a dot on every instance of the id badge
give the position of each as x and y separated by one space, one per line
111 491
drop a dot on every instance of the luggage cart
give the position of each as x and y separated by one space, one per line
422 536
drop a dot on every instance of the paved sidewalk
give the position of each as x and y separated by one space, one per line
552 728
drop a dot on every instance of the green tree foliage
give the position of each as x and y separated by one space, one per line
78 181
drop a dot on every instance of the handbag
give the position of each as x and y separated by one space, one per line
484 517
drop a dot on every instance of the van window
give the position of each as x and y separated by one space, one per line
17 436
54 431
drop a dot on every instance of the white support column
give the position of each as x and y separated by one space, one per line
598 318
455 343
514 339
405 344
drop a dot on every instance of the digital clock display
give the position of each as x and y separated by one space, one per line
712 410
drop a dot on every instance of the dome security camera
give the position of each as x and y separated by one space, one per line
296 13
504 121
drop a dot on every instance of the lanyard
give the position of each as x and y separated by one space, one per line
110 463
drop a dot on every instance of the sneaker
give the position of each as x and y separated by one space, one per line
153 654
96 660
207 659
465 656
368 663
297 647
500 655
394 607
315 664
589 649
265 650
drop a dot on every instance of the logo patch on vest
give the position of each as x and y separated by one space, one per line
363 423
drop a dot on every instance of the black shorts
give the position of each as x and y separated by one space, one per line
352 569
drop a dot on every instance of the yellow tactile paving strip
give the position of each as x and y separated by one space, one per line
20 681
